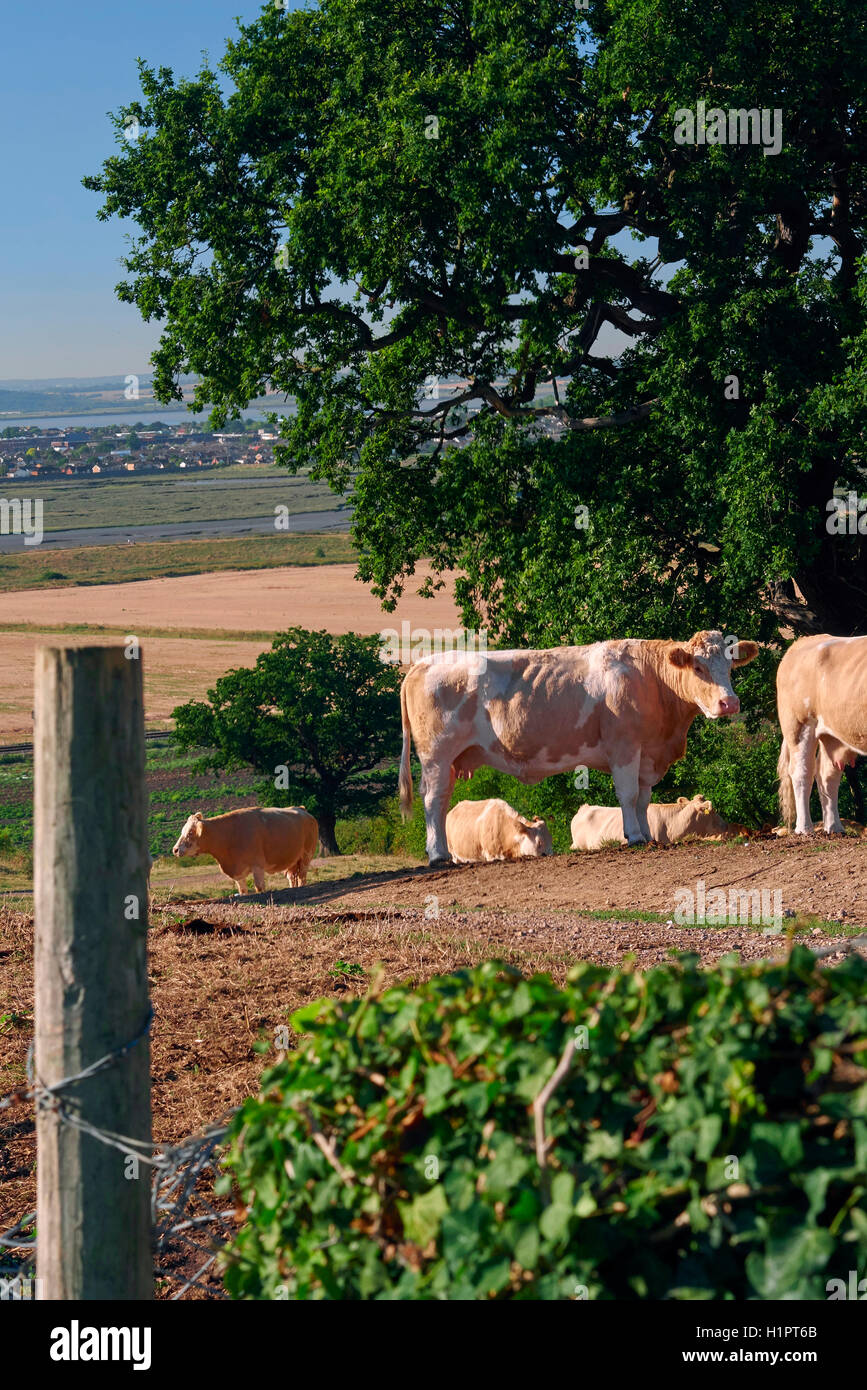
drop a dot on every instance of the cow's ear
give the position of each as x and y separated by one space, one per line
679 656
197 815
744 652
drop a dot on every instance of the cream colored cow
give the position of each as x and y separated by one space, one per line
592 826
623 707
822 708
254 841
493 829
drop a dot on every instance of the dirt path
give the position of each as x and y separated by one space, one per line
822 878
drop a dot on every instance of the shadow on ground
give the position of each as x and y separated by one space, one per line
329 889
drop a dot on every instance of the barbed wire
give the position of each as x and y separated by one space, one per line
180 1208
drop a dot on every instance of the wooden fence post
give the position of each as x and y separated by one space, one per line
91 910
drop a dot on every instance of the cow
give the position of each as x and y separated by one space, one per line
493 829
822 708
668 821
254 841
623 706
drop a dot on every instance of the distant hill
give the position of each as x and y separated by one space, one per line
78 383
45 402
92 396
46 398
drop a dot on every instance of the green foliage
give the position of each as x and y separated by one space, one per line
343 970
435 1190
317 715
454 250
737 770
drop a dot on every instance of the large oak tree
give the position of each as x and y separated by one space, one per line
370 194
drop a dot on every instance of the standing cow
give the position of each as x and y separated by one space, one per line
254 841
624 707
822 708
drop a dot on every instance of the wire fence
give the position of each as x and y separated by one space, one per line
188 1226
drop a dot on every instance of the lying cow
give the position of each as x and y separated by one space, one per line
254 841
624 707
668 821
822 708
493 830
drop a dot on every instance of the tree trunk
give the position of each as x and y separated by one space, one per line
327 836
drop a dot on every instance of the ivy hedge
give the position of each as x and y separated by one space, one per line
708 1138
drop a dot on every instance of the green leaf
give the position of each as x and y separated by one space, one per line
423 1216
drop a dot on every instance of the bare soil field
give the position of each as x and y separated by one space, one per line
232 601
822 877
327 597
818 879
175 670
227 972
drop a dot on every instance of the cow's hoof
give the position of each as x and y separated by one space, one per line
441 863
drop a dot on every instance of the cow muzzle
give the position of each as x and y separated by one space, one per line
729 704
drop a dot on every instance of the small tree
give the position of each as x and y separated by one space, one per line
317 715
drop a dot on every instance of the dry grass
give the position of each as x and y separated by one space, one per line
113 564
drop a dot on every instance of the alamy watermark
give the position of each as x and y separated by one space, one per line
848 515
739 907
737 126
21 1288
414 644
22 516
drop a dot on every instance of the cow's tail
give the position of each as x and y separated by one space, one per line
786 792
405 779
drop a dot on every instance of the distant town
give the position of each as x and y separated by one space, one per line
27 451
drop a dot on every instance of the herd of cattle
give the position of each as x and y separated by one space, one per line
622 707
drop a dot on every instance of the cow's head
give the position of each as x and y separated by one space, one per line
702 819
534 838
705 663
188 841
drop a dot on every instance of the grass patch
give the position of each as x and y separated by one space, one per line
117 564
76 504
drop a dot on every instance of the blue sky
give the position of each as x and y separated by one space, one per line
65 65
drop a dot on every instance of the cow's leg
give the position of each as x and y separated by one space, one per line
828 781
241 885
802 769
644 790
437 784
626 785
259 879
